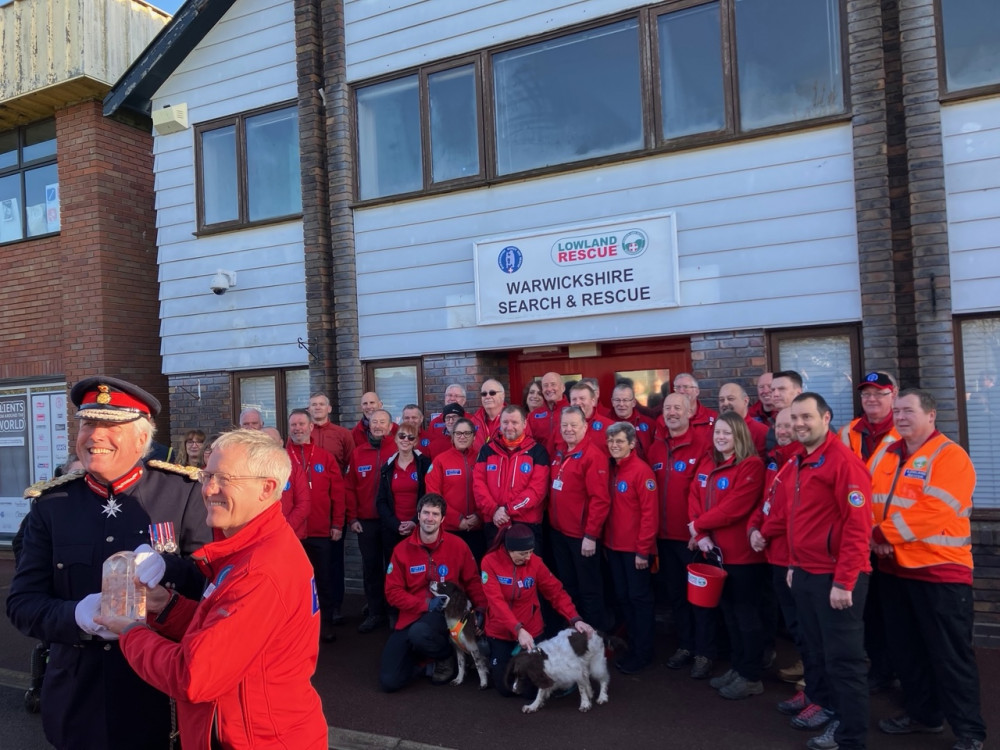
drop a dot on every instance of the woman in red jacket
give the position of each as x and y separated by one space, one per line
512 579
450 476
726 490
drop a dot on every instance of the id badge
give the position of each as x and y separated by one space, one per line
557 484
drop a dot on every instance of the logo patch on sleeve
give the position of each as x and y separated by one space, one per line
388 570
315 596
288 486
485 577
650 485
857 499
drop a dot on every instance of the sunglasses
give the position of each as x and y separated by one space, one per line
489 393
401 436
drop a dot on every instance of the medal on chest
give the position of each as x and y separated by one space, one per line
111 508
162 537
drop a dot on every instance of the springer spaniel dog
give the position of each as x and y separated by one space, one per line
461 622
570 658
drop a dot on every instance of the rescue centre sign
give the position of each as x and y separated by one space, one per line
620 266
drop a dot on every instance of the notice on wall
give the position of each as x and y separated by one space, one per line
14 475
594 269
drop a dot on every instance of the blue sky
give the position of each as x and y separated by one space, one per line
170 6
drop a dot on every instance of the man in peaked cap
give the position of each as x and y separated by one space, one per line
90 696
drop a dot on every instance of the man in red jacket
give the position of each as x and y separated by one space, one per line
421 630
511 477
703 417
732 397
324 540
623 405
829 531
543 422
327 435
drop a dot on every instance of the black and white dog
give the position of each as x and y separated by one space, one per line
461 622
570 658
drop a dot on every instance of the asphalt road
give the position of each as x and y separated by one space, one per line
659 708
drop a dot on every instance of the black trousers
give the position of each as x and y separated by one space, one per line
634 593
931 627
428 637
786 603
674 559
834 657
327 558
876 634
581 577
742 612
375 543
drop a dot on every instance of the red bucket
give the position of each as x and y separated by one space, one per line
705 584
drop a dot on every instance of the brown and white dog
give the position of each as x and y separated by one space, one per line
461 623
570 658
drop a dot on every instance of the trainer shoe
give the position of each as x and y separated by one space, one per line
372 623
794 705
793 673
702 668
717 683
681 658
967 743
444 670
903 724
813 717
825 741
741 688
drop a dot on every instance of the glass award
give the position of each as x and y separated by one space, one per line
120 595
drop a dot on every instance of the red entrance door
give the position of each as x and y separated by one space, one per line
647 363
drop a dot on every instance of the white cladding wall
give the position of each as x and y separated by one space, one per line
246 61
971 132
382 37
766 237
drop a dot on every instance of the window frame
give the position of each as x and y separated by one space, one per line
417 362
21 168
978 514
280 394
853 333
647 17
238 121
944 95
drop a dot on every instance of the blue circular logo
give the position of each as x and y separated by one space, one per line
526 468
643 427
722 483
413 476
318 468
598 424
510 259
872 377
424 443
529 582
442 570
679 466
622 486
288 485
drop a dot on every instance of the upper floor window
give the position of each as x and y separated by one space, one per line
29 182
247 169
716 69
970 36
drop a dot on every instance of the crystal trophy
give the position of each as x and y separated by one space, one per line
120 596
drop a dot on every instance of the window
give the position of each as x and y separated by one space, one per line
274 393
716 69
827 360
396 383
29 182
980 340
970 37
247 169
435 111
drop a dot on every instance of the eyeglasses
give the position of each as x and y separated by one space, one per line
685 387
622 401
402 436
490 393
223 480
874 393
463 433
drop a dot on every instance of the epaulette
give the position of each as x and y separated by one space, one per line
38 488
191 472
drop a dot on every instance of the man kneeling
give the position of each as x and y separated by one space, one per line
421 631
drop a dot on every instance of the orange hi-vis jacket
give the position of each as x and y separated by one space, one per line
922 503
852 438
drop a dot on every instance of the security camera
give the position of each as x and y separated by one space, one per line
222 282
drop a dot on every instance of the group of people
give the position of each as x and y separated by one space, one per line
568 512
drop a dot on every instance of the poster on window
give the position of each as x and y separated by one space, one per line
14 475
594 269
10 220
52 207
41 437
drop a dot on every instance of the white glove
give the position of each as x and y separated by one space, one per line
85 611
149 566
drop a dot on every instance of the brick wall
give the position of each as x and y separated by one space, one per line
211 413
727 357
469 369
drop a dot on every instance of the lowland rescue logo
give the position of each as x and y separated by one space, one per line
611 268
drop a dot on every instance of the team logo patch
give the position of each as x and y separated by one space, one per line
920 462
525 468
541 415
680 466
414 569
857 499
505 580
767 508
598 425
491 467
773 466
389 569
319 468
424 443
222 575
657 467
722 483
529 582
578 454
453 472
622 486
442 570
288 485
643 427
510 259
650 485
315 596
485 577
413 476
364 469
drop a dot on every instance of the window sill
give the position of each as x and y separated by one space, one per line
226 228
48 235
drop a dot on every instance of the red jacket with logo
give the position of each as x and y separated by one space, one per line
722 498
770 518
516 479
674 461
335 439
597 427
296 501
543 423
645 431
633 521
830 512
360 432
363 476
415 564
486 428
512 595
450 476
242 658
327 494
578 492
